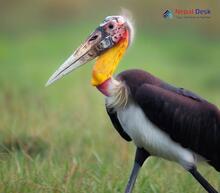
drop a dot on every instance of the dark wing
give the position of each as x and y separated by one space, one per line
188 120
182 91
114 119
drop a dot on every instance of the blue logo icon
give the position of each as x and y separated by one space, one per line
168 14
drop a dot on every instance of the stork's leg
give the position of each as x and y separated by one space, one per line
208 187
140 157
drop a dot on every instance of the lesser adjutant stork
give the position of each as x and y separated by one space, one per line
161 120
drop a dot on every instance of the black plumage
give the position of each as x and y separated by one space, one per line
187 118
113 116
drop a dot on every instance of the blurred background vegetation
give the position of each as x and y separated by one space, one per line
59 139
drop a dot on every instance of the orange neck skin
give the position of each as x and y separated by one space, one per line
106 64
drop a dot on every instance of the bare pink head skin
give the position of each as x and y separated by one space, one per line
107 35
112 26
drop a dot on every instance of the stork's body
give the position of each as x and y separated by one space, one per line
160 119
166 121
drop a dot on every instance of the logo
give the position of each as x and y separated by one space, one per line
168 14
187 13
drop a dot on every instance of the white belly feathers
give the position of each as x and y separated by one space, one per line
142 131
145 134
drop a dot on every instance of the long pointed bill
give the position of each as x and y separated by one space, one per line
95 44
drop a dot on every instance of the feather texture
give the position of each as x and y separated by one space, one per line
186 118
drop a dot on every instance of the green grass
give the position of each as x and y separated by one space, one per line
59 139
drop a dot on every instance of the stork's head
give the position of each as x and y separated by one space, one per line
107 43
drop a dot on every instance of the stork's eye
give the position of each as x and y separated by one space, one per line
111 26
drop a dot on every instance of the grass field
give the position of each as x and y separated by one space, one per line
59 139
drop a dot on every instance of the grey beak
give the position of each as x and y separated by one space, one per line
86 52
